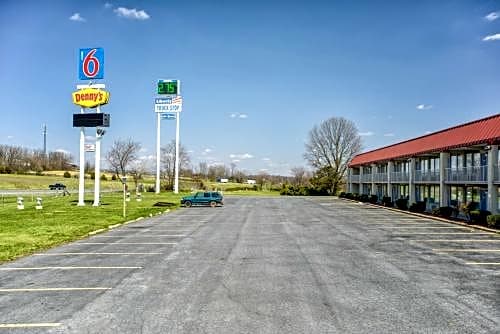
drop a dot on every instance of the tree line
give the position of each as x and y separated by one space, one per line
16 159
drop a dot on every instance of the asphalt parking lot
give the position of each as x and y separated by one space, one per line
262 265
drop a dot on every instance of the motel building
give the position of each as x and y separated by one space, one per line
446 168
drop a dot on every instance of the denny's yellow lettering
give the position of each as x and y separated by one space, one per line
90 97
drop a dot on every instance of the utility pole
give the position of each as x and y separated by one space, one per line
44 132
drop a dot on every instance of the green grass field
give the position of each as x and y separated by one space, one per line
23 232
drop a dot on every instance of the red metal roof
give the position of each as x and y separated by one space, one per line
482 131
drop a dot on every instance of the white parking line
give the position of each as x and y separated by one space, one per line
444 233
434 227
461 240
484 263
140 236
52 289
471 250
63 268
93 253
126 243
33 325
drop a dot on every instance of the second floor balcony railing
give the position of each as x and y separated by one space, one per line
366 178
427 176
400 177
467 174
354 178
380 177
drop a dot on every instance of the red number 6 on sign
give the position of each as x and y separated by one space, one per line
91 63
91 71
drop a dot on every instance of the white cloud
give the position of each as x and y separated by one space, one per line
366 134
235 160
428 132
107 5
206 151
389 135
494 37
147 157
238 115
77 17
132 14
424 106
491 16
266 159
241 156
143 150
60 150
89 138
10 137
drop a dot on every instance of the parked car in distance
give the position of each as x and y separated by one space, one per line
212 198
57 186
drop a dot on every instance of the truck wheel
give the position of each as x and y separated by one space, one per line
187 204
213 204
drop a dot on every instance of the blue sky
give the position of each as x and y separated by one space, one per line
256 75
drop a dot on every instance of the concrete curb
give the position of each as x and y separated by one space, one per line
110 227
483 228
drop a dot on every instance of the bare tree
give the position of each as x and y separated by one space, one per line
168 162
299 175
122 154
331 146
203 169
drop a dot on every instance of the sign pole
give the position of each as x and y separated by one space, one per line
81 185
176 184
97 172
158 120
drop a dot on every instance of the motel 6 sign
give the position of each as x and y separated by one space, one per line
91 64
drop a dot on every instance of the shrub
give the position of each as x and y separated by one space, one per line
479 216
364 198
468 207
387 201
443 211
493 221
402 203
103 177
67 174
419 206
342 194
92 176
114 178
373 199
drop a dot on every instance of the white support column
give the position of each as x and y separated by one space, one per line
444 196
97 172
492 188
81 184
390 167
360 190
411 183
176 184
158 120
374 171
349 180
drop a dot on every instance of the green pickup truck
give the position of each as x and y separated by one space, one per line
212 198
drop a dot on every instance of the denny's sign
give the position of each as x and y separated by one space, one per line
90 97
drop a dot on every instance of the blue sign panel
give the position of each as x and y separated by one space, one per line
91 64
168 116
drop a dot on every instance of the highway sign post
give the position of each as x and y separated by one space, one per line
170 106
90 67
